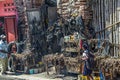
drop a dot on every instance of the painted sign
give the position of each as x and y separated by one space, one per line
7 8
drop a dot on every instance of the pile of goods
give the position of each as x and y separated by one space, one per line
109 66
22 61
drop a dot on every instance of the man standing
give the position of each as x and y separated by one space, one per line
3 54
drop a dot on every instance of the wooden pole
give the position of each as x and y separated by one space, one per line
108 27
26 25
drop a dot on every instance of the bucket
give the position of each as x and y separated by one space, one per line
40 70
31 71
36 71
96 78
81 77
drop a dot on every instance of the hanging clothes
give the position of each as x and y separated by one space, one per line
80 44
99 41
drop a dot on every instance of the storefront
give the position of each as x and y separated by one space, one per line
8 19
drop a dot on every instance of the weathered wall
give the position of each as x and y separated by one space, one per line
52 15
106 17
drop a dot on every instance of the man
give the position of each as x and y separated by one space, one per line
3 53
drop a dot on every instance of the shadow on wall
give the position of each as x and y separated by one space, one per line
51 3
2 31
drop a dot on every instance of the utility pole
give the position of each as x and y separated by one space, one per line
28 45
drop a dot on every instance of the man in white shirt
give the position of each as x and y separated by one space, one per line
3 45
3 53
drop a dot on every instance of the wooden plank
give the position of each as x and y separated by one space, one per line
108 27
99 16
102 8
97 10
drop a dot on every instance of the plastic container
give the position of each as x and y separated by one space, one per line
31 71
96 78
36 71
76 36
67 38
81 77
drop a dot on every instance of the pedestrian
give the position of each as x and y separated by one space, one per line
3 53
3 44
87 71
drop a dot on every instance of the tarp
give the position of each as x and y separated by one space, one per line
7 8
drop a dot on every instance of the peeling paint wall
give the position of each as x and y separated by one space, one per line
52 15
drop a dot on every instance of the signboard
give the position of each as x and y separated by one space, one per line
7 8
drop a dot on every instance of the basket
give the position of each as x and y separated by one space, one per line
3 65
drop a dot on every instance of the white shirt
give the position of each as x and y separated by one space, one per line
85 53
3 46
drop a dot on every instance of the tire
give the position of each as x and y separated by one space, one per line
9 46
26 69
18 46
11 66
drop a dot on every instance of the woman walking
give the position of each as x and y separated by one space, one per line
87 71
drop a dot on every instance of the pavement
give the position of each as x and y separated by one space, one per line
39 76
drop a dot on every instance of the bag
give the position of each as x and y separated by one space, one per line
90 63
101 76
